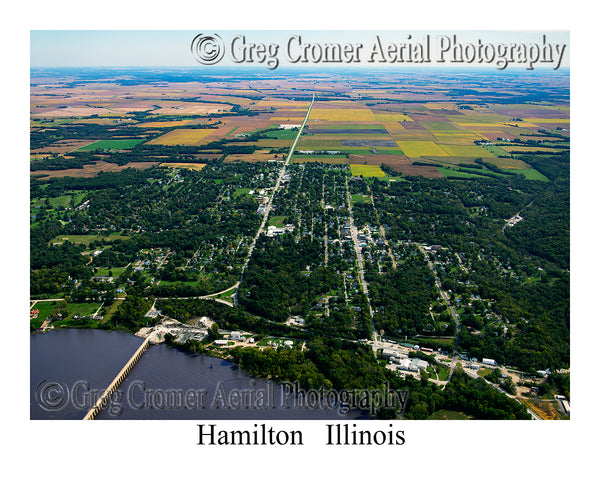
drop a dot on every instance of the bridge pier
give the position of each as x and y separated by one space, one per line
103 400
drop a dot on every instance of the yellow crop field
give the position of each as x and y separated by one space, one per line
419 148
392 117
189 166
393 127
367 170
342 114
183 136
547 120
466 150
457 137
519 148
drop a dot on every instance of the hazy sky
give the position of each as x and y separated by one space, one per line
61 48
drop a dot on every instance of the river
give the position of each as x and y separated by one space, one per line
70 368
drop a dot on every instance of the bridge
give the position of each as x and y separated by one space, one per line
101 403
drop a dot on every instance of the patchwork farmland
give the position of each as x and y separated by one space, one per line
387 120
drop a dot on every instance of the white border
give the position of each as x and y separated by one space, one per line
445 449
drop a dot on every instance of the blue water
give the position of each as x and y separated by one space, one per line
70 368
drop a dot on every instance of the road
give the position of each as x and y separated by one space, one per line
475 375
270 202
513 220
382 230
446 299
359 258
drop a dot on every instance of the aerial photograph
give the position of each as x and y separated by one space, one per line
360 230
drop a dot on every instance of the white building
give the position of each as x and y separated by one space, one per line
413 365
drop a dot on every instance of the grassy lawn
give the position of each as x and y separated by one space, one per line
45 309
278 222
116 271
227 295
443 372
81 309
241 191
359 198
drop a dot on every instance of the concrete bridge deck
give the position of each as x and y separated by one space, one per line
91 415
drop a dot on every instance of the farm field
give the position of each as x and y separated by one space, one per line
123 144
182 136
332 159
91 170
366 170
402 126
531 174
420 148
189 166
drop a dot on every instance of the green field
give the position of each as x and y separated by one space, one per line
465 150
286 134
241 191
358 198
46 308
278 222
116 271
530 174
451 172
87 239
120 144
495 150
367 171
